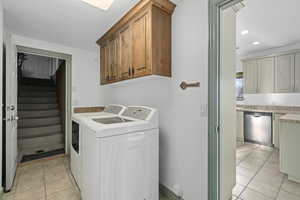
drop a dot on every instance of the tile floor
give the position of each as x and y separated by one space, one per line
48 179
259 177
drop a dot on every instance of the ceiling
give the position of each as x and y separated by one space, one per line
68 22
273 23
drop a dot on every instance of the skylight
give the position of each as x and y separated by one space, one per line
102 4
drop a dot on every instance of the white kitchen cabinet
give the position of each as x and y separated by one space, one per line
266 75
297 72
289 150
250 76
276 129
240 126
285 73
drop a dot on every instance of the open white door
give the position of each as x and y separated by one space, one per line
227 103
10 113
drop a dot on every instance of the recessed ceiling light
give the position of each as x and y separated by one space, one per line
256 43
102 4
244 32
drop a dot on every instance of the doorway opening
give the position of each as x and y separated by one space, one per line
41 106
37 107
254 119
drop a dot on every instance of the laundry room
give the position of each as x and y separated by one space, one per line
117 111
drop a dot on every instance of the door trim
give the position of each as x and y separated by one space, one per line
215 7
68 59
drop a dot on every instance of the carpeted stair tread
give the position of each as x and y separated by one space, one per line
39 100
38 113
35 107
40 142
39 131
37 122
37 94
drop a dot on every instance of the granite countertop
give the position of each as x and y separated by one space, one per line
294 118
272 109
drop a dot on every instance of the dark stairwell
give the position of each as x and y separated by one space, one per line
40 126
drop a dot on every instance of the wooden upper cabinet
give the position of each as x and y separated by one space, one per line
139 44
125 53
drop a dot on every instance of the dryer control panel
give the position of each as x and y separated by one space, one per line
136 112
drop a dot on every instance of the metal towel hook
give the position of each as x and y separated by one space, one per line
185 85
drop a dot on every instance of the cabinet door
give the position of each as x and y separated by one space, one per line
276 129
141 45
113 59
102 64
104 68
284 73
250 76
297 73
125 53
266 75
240 126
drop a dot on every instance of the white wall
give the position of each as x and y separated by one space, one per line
183 113
1 85
85 70
284 99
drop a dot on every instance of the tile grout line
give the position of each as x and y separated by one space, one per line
280 187
246 156
245 187
259 169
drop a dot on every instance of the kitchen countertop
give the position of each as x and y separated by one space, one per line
294 118
269 109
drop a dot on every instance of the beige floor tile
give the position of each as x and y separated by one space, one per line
34 194
273 180
8 196
53 175
237 190
291 187
250 194
69 194
30 185
57 186
287 196
55 162
246 171
242 180
264 188
260 154
251 163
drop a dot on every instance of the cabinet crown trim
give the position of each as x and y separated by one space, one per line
165 5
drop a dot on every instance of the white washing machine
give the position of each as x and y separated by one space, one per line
76 150
121 155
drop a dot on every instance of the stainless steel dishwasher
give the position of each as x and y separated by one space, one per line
258 128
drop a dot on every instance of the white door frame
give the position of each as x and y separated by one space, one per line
68 79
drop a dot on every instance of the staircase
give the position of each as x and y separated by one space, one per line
40 125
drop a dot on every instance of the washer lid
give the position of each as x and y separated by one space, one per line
112 120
